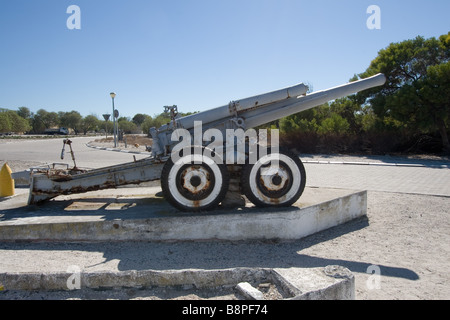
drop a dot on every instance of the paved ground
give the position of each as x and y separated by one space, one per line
49 151
430 178
406 234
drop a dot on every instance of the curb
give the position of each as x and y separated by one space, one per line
379 164
295 283
75 278
118 150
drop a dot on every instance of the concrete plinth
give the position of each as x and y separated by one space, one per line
134 214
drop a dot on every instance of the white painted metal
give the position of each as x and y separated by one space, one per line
187 160
296 105
266 178
241 105
271 97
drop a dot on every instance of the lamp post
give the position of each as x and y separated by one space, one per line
113 95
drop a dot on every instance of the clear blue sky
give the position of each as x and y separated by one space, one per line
197 54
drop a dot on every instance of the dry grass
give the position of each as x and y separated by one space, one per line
138 142
131 140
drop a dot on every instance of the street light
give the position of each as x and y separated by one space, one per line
113 95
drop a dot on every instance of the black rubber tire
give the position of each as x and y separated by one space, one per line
291 189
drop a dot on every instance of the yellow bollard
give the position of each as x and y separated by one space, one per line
6 182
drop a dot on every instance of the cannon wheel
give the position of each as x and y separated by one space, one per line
194 183
279 186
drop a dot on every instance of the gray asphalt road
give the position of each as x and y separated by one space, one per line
49 151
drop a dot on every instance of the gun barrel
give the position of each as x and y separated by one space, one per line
259 110
243 105
271 97
296 105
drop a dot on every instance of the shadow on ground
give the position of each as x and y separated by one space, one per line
210 255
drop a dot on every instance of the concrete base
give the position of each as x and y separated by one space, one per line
329 283
134 214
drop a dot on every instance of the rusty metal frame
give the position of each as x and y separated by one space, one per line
49 183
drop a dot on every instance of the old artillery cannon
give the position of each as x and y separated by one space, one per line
200 157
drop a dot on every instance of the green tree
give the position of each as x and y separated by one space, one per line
297 123
435 90
161 119
126 125
350 110
369 120
71 120
147 124
24 112
18 124
305 121
90 123
415 95
334 124
11 122
43 120
139 118
5 123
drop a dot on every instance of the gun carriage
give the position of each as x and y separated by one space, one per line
196 167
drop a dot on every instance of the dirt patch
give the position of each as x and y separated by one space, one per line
130 142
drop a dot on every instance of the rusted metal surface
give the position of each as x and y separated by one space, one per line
195 179
49 183
69 143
